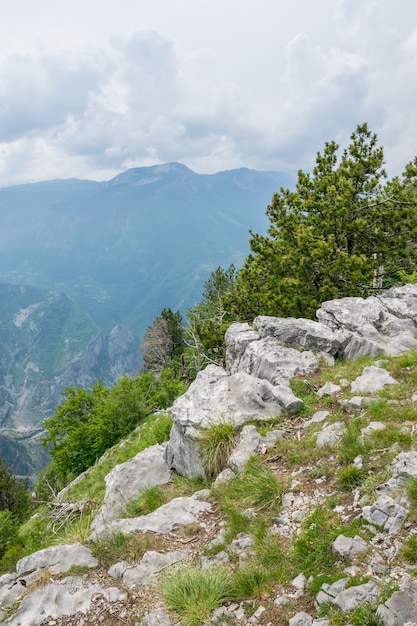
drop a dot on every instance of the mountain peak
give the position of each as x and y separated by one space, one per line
148 174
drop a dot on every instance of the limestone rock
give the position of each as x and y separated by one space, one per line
301 619
404 465
372 379
158 617
373 329
237 337
215 397
179 511
150 564
402 606
329 435
67 597
386 512
329 389
349 546
350 598
249 443
57 558
269 360
301 334
125 482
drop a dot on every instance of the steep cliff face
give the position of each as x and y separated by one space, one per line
46 344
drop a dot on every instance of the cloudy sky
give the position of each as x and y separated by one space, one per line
90 88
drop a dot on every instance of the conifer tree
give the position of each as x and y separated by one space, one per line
345 230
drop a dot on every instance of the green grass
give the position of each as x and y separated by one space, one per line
216 444
350 477
312 553
194 593
351 445
409 549
118 547
150 499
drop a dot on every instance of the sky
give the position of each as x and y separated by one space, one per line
91 88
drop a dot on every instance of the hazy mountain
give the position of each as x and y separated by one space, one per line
46 344
126 248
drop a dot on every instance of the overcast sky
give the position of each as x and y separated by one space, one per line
90 88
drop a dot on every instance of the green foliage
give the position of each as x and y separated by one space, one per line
8 530
409 549
350 477
351 445
14 495
193 593
87 423
312 552
343 231
257 488
118 547
209 319
150 499
216 445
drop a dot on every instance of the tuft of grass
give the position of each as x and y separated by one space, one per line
409 549
150 499
119 547
216 445
304 390
256 487
350 477
411 488
312 553
365 615
77 531
194 593
350 445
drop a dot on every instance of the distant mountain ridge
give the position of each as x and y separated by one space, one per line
126 248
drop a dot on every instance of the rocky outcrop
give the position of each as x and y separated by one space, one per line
216 397
261 361
126 481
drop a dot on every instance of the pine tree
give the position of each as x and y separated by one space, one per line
345 230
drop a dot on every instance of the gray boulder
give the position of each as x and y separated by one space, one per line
58 559
401 608
350 598
237 338
151 563
301 334
386 512
67 597
372 379
269 360
372 327
215 397
179 511
349 546
125 482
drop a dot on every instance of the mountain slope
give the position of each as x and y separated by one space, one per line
126 248
46 344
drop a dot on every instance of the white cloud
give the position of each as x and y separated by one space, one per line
257 85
